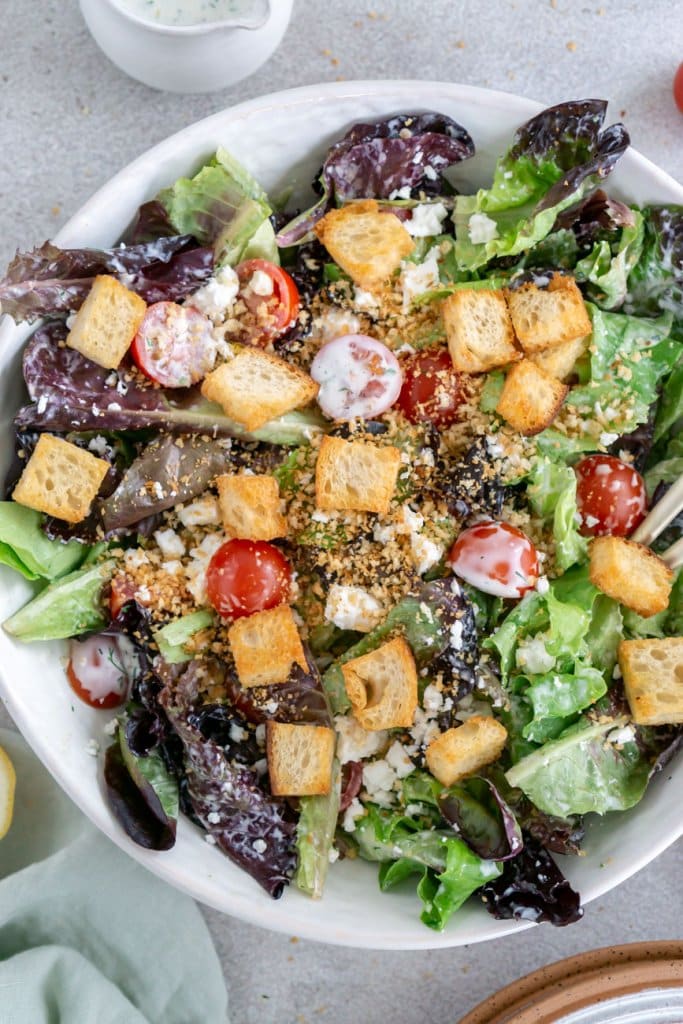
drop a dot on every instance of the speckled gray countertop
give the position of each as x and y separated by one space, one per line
69 120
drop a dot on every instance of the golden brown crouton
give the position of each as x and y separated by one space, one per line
355 475
367 244
299 758
653 679
382 686
107 322
250 506
256 387
265 645
479 330
466 749
531 398
60 479
545 317
560 361
631 574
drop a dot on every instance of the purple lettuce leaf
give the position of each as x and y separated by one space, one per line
532 888
482 818
136 808
254 829
300 699
372 161
150 223
49 281
594 217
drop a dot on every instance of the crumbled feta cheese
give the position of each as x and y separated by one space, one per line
260 735
378 779
481 229
236 733
211 840
426 552
134 558
532 656
365 302
333 855
350 607
353 812
213 817
418 278
606 439
424 728
400 193
92 747
427 220
170 544
172 567
456 635
98 444
397 759
110 727
202 511
432 699
542 585
591 521
195 570
217 296
334 323
354 743
623 735
261 283
260 845
320 517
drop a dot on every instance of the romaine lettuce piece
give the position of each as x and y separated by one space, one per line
67 607
24 546
656 281
172 638
606 268
315 835
552 494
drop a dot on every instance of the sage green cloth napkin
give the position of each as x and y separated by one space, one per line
87 936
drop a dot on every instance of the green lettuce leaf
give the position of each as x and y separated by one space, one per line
552 494
656 281
606 268
24 546
670 410
583 771
172 638
562 695
66 607
315 835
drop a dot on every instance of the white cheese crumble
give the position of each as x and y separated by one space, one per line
334 323
353 812
261 283
531 656
378 779
427 220
201 512
92 747
217 297
354 743
481 229
350 607
195 570
397 759
134 558
400 193
170 544
418 278
98 444
260 845
426 552
365 302
606 438
624 735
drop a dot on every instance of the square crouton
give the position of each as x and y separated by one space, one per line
60 479
653 679
531 398
367 244
466 749
355 476
107 322
256 387
265 645
479 330
382 686
250 506
631 574
299 758
545 317
560 361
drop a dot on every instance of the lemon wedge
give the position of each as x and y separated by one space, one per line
7 783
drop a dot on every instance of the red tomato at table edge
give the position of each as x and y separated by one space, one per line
496 558
678 87
424 374
611 498
285 292
247 576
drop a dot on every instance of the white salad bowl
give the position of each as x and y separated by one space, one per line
281 139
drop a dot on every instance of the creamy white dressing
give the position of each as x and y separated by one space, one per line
192 12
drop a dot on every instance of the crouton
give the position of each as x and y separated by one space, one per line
299 758
256 387
653 679
479 330
265 645
382 686
60 479
466 749
107 322
545 317
531 398
250 506
631 574
367 244
560 361
355 475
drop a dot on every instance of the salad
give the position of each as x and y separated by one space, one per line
333 508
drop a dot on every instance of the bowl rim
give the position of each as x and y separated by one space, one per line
192 29
243 906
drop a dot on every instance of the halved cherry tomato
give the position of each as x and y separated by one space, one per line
496 558
432 390
271 295
610 496
247 576
358 377
101 669
174 345
678 88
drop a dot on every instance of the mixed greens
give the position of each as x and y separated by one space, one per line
544 664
